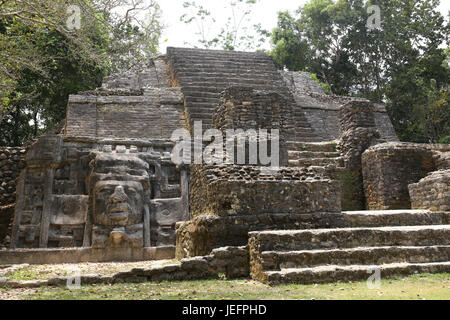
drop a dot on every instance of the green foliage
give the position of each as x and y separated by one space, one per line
325 86
395 64
418 99
42 61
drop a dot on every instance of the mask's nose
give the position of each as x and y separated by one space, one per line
119 195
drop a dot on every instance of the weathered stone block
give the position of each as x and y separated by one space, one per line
432 192
245 190
389 168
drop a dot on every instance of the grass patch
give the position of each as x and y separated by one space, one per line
27 273
417 287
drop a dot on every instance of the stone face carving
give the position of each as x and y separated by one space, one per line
119 186
108 194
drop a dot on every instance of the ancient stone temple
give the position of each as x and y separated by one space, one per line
107 188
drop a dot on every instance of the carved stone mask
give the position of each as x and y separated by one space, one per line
118 203
119 187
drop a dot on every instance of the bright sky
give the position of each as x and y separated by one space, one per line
264 12
177 32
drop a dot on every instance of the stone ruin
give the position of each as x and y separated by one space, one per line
105 188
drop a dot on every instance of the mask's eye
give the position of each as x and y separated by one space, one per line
130 230
132 192
101 232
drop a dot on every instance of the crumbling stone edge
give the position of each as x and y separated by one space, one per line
231 262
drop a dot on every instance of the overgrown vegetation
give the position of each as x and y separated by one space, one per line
47 54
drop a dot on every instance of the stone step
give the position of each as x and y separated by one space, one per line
204 117
277 260
222 84
189 71
314 138
327 146
193 92
201 91
293 240
294 155
214 90
194 99
215 54
305 136
185 71
383 218
206 123
222 64
333 273
207 77
210 108
307 162
198 110
208 105
217 57
214 75
300 119
302 126
202 52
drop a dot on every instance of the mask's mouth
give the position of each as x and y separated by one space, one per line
118 211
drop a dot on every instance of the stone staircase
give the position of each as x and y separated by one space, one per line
386 240
204 74
306 154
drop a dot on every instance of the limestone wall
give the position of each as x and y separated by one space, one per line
389 168
442 159
230 190
11 163
6 215
153 113
432 192
243 108
139 103
322 111
359 132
